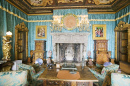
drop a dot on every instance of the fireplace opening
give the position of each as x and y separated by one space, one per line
69 52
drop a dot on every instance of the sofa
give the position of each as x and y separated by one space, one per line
103 74
118 79
34 71
14 78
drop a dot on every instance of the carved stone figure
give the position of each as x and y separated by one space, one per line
6 48
49 53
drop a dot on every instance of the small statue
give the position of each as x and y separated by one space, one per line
49 53
6 48
90 62
49 63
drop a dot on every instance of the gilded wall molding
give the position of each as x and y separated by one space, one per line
62 16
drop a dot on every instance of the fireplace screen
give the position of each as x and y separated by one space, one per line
69 52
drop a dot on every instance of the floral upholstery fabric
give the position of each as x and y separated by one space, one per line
32 75
120 79
13 78
105 76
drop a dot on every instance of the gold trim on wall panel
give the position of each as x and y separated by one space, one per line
101 12
40 20
123 16
41 14
101 19
12 13
129 43
116 45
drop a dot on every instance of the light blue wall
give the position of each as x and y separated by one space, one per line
8 23
110 28
110 35
32 32
123 12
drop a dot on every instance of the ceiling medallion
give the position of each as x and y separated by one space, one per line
70 21
97 2
41 2
69 1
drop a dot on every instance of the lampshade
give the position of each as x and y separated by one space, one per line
57 65
9 33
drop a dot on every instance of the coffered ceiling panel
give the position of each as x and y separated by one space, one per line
35 7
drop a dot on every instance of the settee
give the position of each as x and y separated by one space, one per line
34 71
103 74
118 79
13 78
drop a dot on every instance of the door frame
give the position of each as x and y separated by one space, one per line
20 27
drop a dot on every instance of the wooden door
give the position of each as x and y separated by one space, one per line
123 51
21 42
22 45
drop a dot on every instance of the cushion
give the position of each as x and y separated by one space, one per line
99 65
36 67
13 78
102 58
107 64
120 79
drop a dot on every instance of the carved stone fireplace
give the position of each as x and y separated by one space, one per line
69 45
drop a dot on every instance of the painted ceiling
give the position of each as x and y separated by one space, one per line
35 7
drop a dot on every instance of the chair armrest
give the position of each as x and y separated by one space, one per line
96 74
38 74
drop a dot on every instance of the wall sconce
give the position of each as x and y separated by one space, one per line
84 23
9 34
56 24
6 48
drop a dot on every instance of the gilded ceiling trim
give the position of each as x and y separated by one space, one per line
40 3
69 1
61 16
75 7
97 2
16 6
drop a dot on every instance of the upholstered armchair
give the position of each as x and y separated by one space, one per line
33 74
120 79
14 78
104 74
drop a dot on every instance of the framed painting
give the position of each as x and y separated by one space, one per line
99 32
41 32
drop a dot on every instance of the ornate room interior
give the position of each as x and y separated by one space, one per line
65 32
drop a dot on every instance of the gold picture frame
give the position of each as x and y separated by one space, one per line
41 32
99 32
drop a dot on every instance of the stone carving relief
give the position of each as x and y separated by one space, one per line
80 38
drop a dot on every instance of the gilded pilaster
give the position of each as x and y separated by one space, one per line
129 43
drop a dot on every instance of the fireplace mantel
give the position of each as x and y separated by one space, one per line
69 37
81 38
